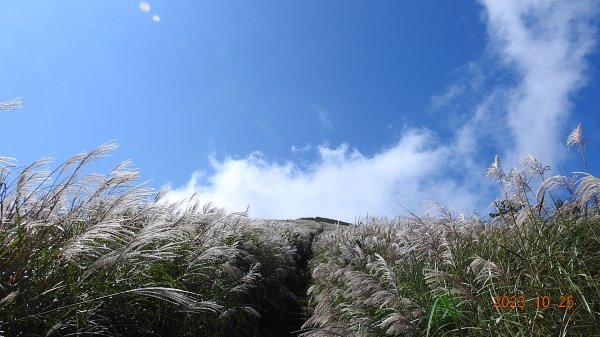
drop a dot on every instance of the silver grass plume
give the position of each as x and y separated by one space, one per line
11 104
533 165
495 170
576 138
186 299
485 271
588 189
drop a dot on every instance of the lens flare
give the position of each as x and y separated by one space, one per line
144 6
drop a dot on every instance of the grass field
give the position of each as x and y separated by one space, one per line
103 255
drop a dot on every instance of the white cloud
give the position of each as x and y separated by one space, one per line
342 183
156 18
543 43
546 44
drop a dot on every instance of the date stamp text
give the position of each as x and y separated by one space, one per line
539 302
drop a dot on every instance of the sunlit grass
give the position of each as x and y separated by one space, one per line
104 255
444 274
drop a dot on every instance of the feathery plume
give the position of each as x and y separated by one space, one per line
576 138
495 170
11 104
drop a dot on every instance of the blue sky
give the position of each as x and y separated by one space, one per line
328 108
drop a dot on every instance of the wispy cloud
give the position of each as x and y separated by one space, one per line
469 80
541 46
440 101
302 149
545 43
323 116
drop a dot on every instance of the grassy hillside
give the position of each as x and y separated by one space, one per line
327 220
533 270
103 255
92 254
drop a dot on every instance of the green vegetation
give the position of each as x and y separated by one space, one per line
102 255
533 270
